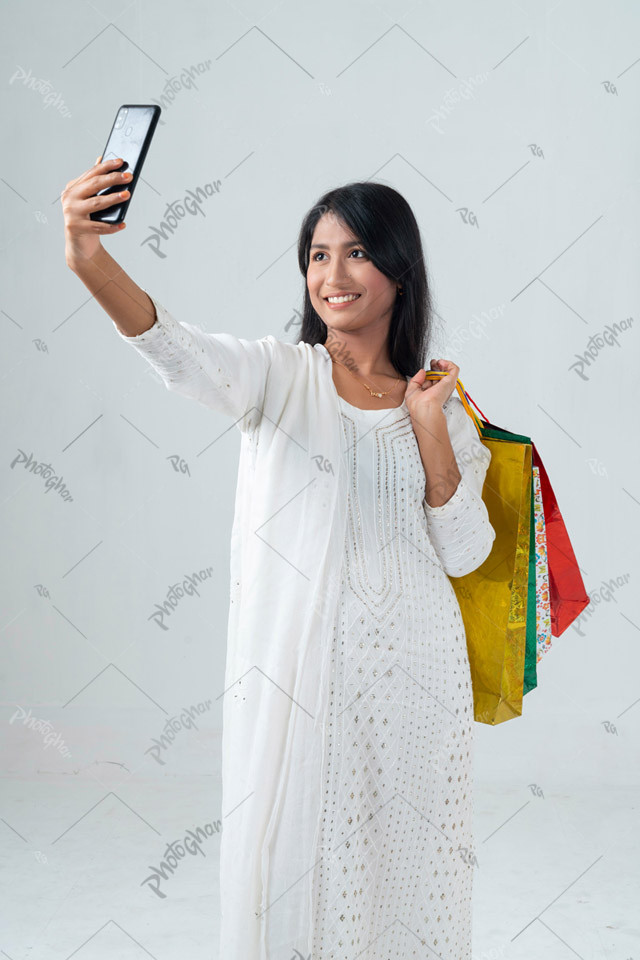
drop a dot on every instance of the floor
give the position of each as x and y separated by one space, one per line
556 826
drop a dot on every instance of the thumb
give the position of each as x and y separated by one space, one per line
419 378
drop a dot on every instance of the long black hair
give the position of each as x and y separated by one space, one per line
386 227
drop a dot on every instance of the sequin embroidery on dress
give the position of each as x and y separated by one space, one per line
394 871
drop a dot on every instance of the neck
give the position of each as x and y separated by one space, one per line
364 352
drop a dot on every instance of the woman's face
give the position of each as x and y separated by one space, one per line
339 265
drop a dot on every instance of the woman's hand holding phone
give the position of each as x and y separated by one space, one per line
79 200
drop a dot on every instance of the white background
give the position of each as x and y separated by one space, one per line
511 129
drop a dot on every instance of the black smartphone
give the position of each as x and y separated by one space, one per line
130 138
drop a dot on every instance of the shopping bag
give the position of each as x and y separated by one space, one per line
543 604
530 680
567 594
500 656
529 582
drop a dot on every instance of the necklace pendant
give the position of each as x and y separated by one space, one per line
373 394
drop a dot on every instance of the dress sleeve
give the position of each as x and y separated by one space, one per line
459 529
221 371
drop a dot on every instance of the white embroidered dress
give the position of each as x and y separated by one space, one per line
348 712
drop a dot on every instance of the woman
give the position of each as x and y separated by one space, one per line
348 708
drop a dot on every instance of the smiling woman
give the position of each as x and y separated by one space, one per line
397 711
362 238
367 295
348 708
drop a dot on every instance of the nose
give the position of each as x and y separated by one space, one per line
337 274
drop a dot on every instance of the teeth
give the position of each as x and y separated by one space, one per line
352 296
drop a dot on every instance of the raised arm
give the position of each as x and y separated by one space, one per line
221 371
459 529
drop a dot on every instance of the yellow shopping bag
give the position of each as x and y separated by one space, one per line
493 598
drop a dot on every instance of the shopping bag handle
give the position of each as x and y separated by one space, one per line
464 397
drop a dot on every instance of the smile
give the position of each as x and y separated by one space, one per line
347 298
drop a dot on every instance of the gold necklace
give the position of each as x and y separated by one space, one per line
374 393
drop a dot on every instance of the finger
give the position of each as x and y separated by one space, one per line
108 227
419 378
91 182
98 226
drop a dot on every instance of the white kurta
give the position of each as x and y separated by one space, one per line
347 687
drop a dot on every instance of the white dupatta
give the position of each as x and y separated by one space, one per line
286 552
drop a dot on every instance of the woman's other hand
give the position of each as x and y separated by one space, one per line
424 395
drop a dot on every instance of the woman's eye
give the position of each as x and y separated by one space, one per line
321 254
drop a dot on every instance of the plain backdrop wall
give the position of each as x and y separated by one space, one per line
511 129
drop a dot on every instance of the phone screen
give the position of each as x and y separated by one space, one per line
129 139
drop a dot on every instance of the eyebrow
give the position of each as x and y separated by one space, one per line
325 246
